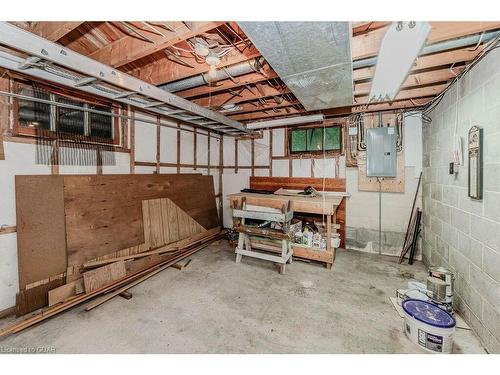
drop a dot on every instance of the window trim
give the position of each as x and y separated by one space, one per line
316 154
18 130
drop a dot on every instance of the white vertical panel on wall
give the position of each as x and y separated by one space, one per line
214 151
261 148
261 172
228 150
301 167
413 142
201 149
168 170
145 138
324 168
280 168
168 145
187 147
279 142
244 153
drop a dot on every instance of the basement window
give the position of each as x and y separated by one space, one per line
47 120
315 140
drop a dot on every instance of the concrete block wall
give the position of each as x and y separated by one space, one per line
459 232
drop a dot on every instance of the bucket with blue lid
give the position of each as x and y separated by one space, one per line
428 326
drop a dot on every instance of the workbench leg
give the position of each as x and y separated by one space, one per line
241 242
329 233
281 269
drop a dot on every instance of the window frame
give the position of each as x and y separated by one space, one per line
22 131
298 154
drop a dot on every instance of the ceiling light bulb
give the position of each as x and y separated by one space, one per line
212 74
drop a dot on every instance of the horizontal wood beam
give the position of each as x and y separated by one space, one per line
52 31
430 77
228 84
434 61
365 27
252 94
368 44
164 70
131 48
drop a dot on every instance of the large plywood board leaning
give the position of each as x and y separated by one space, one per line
41 236
100 232
66 221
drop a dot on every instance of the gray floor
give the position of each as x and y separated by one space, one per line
217 306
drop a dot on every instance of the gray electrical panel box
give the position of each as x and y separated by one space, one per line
381 157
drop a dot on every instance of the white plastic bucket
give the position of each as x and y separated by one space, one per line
428 326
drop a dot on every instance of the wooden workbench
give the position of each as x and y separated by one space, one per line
325 205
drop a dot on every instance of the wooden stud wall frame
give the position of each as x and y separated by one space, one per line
475 170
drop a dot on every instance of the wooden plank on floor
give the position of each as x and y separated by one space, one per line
65 291
35 298
96 279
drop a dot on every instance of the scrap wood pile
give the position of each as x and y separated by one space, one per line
171 226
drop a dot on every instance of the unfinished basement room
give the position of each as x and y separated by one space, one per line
289 185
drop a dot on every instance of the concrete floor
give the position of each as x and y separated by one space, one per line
217 306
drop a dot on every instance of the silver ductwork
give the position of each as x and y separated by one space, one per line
438 47
231 71
313 59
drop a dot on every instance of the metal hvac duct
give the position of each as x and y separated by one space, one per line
313 59
438 47
235 70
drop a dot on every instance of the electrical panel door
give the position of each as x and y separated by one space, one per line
381 157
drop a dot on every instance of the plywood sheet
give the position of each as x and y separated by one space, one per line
388 184
165 222
65 291
41 240
104 213
102 276
35 298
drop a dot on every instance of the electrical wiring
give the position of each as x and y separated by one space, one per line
490 46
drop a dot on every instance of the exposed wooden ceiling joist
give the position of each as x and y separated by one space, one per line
52 31
428 62
164 70
130 48
368 44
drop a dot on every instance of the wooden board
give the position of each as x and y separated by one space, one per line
389 185
299 183
165 222
35 298
41 239
96 279
65 291
104 213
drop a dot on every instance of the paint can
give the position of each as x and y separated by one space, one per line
447 277
428 326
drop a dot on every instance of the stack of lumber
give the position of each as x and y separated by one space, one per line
104 234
